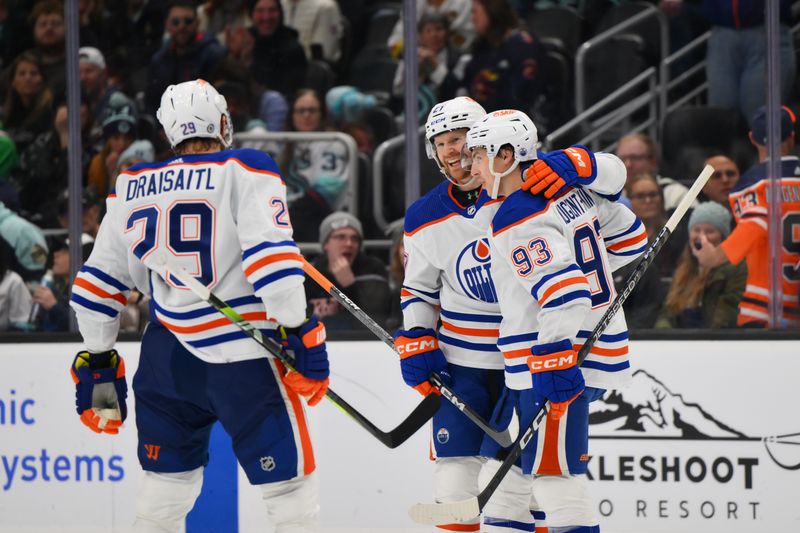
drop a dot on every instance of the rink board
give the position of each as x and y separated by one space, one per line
681 449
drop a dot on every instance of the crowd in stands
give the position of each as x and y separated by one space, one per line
312 66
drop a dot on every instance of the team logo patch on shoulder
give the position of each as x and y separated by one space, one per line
474 271
442 436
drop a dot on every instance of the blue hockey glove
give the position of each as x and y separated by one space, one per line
556 375
553 172
419 356
311 378
100 390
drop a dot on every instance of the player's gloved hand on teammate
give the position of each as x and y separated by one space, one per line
100 390
556 375
419 356
312 370
555 171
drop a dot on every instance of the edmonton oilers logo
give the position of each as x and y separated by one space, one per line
474 271
443 436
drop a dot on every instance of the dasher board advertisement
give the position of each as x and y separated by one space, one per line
705 439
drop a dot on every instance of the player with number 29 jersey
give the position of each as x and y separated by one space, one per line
223 217
220 215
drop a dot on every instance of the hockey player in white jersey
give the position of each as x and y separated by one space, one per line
221 215
552 261
448 276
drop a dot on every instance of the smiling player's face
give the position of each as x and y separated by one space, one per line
448 150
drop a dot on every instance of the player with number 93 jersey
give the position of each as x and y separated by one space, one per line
554 248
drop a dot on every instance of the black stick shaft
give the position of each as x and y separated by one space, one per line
502 437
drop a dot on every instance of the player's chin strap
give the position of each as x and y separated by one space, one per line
418 418
504 438
454 512
498 177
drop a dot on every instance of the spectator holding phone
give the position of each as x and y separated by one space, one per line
704 297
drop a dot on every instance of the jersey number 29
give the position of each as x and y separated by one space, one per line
190 232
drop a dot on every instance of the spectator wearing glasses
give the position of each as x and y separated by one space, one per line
186 55
722 181
704 297
644 304
315 171
640 154
362 278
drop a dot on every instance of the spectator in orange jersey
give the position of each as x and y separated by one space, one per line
749 241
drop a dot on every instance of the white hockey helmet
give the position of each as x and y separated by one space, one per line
457 113
501 128
194 109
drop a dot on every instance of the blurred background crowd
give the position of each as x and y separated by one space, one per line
666 85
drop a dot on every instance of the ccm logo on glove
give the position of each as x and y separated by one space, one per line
553 361
407 347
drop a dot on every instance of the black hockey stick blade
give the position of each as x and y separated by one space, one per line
392 439
504 438
447 513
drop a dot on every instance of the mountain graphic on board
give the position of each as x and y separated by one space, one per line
648 407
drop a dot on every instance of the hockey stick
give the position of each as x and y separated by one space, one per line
504 438
448 513
418 417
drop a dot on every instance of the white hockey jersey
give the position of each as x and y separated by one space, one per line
448 269
552 265
221 216
449 272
